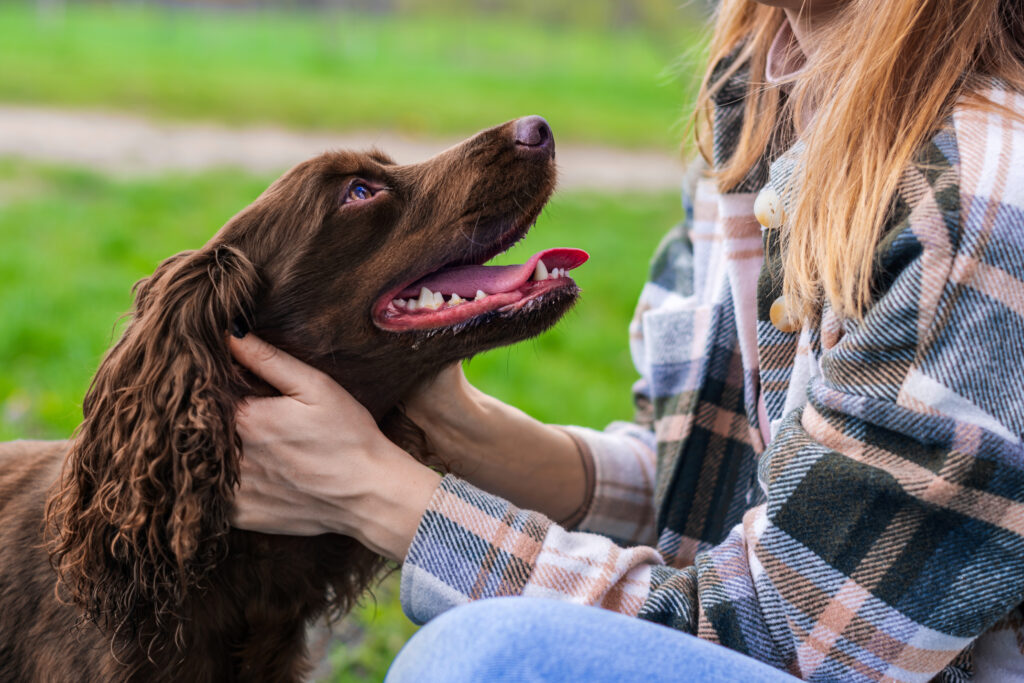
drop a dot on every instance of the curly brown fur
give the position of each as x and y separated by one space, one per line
149 582
144 503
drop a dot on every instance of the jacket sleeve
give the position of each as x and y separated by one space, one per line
472 545
622 504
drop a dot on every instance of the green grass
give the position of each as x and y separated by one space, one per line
380 629
419 74
73 242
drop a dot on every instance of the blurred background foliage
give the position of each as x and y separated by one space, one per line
437 71
73 240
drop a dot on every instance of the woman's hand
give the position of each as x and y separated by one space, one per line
500 448
315 462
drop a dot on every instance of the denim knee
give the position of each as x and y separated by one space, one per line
473 641
507 640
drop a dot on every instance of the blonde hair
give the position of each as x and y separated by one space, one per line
883 79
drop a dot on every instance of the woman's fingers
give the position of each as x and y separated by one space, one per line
257 416
284 372
312 455
310 407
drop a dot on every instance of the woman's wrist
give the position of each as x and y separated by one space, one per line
503 450
385 518
459 418
499 448
468 428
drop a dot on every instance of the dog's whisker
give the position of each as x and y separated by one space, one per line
471 238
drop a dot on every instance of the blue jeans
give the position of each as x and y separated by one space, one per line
528 639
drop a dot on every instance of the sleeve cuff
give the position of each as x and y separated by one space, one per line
622 505
587 460
469 545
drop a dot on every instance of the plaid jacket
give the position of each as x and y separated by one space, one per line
882 531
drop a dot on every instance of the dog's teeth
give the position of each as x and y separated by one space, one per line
412 305
480 295
400 303
438 299
541 272
428 300
456 300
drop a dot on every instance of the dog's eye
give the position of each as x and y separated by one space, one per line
358 191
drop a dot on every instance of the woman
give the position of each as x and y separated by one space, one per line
827 456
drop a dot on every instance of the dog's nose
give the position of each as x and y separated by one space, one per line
533 136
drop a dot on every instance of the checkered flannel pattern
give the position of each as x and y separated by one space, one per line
883 529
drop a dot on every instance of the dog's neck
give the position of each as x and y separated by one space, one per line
378 400
379 388
378 376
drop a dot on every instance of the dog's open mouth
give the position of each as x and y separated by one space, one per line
454 295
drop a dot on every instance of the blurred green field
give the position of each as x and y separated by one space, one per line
74 242
420 74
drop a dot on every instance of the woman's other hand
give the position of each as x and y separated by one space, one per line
315 462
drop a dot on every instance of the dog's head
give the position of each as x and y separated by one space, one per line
368 270
372 271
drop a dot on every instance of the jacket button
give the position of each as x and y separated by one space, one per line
768 208
780 316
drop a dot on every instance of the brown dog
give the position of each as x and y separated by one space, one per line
363 268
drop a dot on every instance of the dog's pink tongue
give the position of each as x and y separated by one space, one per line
466 281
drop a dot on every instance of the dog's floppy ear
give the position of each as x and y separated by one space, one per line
141 513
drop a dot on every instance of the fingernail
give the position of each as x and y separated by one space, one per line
238 328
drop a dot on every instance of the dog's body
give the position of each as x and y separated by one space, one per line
138 575
248 622
273 586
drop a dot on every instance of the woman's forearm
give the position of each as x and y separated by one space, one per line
501 449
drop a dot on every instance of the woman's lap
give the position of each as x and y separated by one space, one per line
526 639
